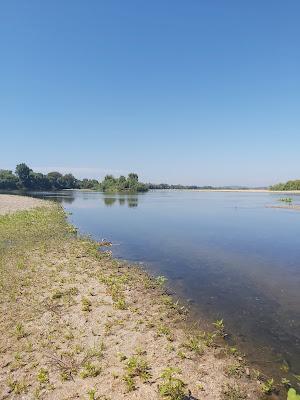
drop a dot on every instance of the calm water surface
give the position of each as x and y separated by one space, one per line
229 254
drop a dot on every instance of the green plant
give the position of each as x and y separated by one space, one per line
96 351
163 330
292 395
20 331
161 280
90 370
268 386
220 327
43 376
286 382
92 394
17 387
234 370
129 382
120 303
286 199
233 392
195 343
172 387
86 304
137 366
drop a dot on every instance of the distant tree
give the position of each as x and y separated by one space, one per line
23 173
39 181
55 179
68 181
122 183
8 180
89 184
290 185
133 177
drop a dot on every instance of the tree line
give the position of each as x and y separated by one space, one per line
24 178
289 185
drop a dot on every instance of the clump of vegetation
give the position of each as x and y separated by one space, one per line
92 394
90 370
286 382
233 392
137 366
129 382
268 386
20 331
129 184
195 344
164 330
17 387
161 280
86 304
234 369
220 327
115 285
286 200
290 185
172 387
26 178
43 376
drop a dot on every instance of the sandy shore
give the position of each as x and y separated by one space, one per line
11 203
76 323
249 191
286 207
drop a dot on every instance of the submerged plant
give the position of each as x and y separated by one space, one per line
286 199
161 280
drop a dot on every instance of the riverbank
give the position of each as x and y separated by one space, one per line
285 206
249 191
12 203
76 323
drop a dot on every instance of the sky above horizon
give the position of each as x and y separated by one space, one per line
191 92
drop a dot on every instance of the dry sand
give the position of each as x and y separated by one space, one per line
11 203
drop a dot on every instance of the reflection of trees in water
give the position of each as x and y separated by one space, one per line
66 200
130 200
109 201
58 197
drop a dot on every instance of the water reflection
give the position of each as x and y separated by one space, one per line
131 201
109 201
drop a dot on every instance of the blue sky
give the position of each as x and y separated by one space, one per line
195 92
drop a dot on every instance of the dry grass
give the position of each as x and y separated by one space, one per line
75 323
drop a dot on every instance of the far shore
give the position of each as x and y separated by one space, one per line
250 191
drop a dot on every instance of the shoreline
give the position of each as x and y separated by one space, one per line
249 191
291 207
61 285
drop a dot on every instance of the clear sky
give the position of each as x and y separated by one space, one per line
194 92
